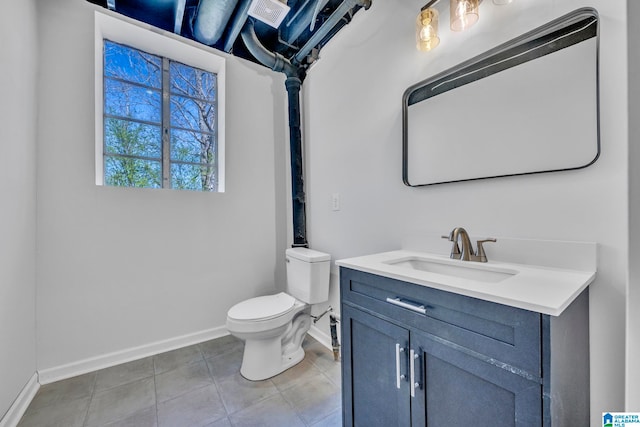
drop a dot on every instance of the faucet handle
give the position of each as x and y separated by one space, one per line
481 255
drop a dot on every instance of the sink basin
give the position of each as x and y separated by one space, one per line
541 288
469 270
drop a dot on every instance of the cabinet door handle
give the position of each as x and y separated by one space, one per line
399 377
412 367
413 307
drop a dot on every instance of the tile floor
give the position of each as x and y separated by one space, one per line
194 386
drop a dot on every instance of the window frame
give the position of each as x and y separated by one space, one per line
166 45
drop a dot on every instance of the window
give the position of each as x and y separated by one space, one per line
160 118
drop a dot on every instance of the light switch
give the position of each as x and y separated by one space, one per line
335 202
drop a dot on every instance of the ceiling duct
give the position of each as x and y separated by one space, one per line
211 20
328 26
271 12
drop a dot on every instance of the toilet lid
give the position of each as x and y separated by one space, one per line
262 308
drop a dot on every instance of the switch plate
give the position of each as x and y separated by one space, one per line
335 202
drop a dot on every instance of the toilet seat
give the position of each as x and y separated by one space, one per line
262 308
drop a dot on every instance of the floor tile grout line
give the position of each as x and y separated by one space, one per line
295 409
93 391
332 384
185 392
339 410
229 414
124 417
224 404
213 378
328 377
155 389
177 396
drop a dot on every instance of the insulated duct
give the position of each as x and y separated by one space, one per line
299 22
211 20
236 25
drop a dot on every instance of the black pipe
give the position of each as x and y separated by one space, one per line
333 322
293 84
273 60
295 75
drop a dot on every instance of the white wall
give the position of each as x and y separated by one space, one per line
353 129
120 268
633 301
18 119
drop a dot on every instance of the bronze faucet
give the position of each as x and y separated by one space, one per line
466 253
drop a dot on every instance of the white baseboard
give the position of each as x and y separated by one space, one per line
20 405
80 367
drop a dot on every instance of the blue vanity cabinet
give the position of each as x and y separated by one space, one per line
377 398
463 362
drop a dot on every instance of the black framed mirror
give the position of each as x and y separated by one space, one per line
528 106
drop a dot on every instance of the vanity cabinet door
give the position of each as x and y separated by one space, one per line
374 361
457 388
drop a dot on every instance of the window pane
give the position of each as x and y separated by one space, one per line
133 65
132 138
137 95
193 177
193 147
191 114
127 172
135 102
192 82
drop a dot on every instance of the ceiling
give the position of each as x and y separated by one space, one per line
306 28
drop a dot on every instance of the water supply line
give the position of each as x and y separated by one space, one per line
321 315
333 328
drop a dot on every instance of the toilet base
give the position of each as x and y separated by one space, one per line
273 350
263 359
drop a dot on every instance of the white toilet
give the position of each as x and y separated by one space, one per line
274 326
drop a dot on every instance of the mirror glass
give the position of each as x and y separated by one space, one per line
528 106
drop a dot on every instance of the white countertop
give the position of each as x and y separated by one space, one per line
541 289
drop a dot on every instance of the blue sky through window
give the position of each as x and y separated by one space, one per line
133 122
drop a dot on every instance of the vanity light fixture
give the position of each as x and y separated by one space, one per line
427 29
463 14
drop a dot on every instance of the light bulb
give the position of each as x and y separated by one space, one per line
463 14
427 30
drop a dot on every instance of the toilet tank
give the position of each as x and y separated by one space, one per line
308 275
